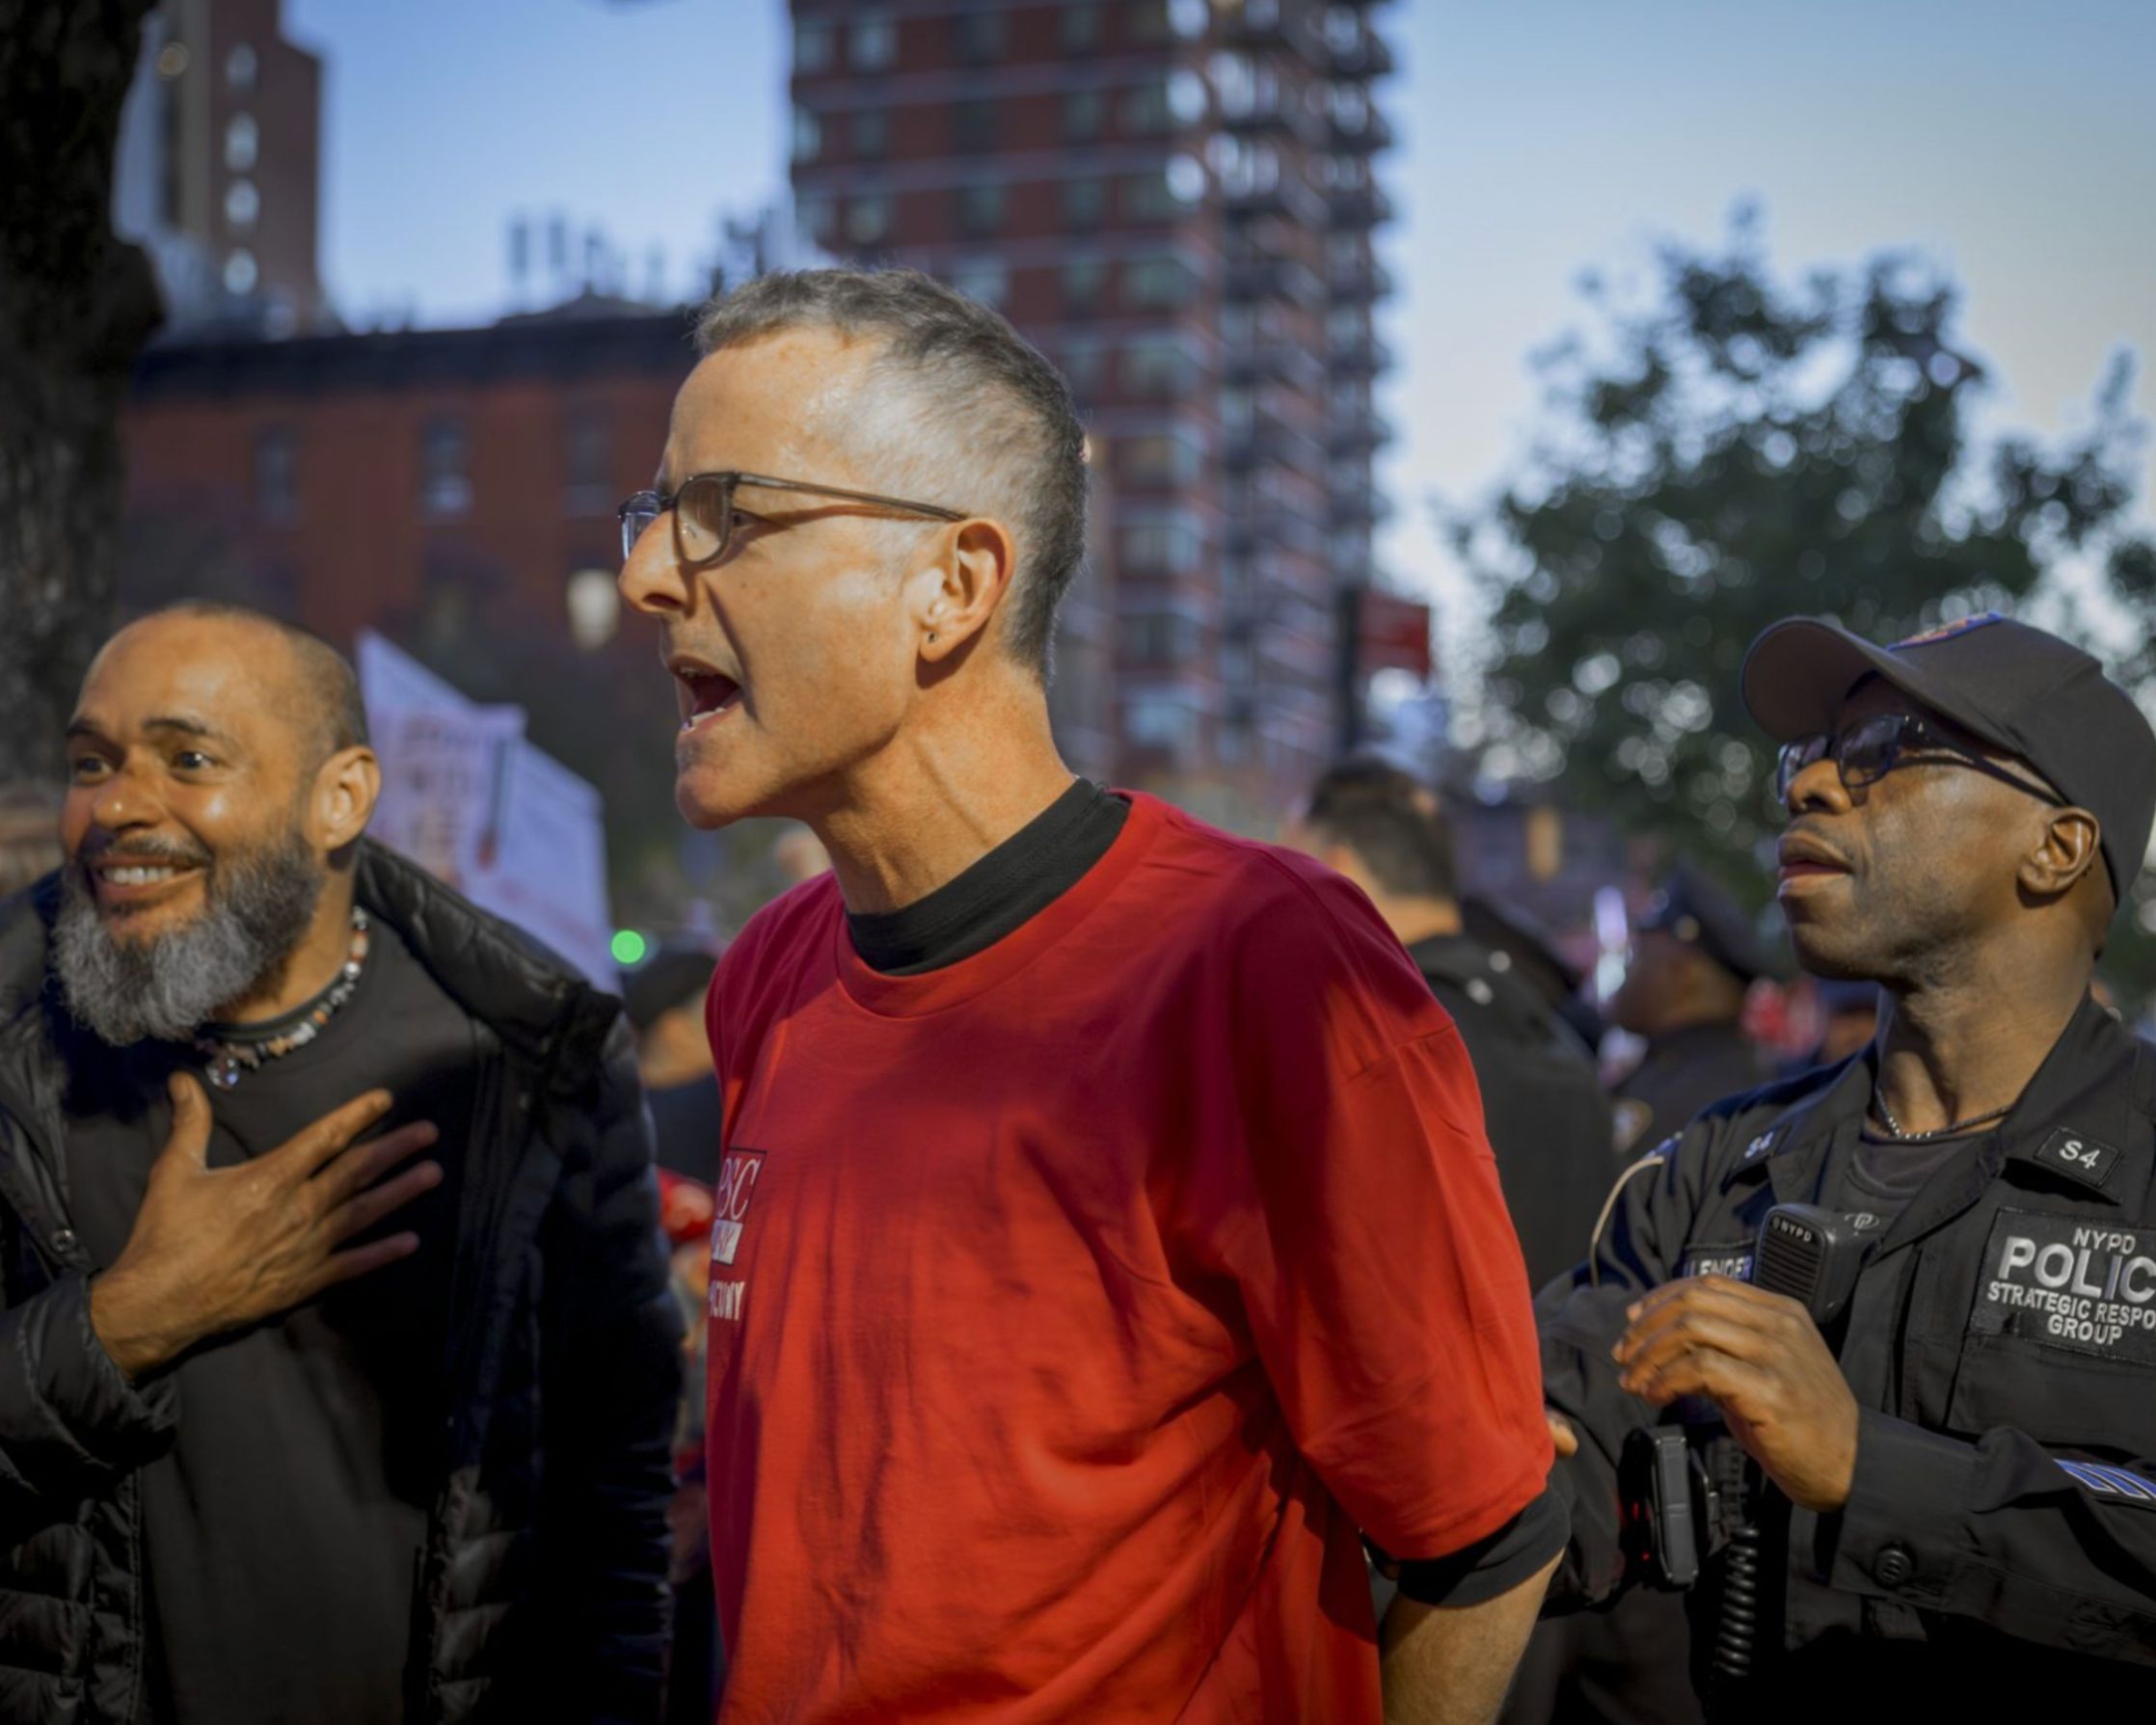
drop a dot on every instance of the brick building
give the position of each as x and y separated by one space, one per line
219 166
1175 199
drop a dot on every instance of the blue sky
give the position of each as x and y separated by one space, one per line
2014 143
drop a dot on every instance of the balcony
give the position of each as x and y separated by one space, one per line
1360 207
1357 434
1268 441
1367 58
1359 284
1274 361
1358 506
1365 137
1359 356
1274 278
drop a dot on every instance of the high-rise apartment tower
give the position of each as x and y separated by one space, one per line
1175 201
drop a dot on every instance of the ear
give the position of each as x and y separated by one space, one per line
2069 848
959 592
346 788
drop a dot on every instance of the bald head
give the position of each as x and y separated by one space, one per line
307 682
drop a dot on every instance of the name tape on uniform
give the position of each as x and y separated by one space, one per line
1732 1261
2065 1282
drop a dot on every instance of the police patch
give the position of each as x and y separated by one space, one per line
2065 1282
2114 1483
1732 1261
2078 1158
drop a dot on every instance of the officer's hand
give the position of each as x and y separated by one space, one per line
1761 1360
216 1249
1561 1434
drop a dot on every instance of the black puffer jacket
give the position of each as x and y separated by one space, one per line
544 1593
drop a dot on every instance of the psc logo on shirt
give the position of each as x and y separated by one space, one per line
738 1175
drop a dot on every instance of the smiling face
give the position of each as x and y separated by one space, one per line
795 655
1885 881
199 819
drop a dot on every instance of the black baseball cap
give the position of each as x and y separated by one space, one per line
1692 909
2019 689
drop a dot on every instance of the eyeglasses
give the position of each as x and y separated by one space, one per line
703 513
1867 751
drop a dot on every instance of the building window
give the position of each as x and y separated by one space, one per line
874 41
808 135
1159 637
1081 363
1085 112
1173 546
982 279
871 132
980 209
973 126
240 272
1079 27
277 475
587 461
812 45
1157 282
444 481
978 36
1148 21
1161 458
1151 198
814 216
242 204
868 217
1084 280
240 67
243 143
1159 721
1158 367
1084 201
1146 111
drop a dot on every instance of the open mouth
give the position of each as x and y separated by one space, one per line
124 879
704 694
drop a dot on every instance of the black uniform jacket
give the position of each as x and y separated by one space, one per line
2001 1344
544 1593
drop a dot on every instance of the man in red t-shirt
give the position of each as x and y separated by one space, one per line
1106 1240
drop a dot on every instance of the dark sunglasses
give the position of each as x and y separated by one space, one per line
1867 751
704 516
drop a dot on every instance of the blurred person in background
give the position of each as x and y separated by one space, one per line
1694 955
293 1427
1541 1103
1936 1443
801 856
1107 1240
1509 932
666 999
29 835
1848 1020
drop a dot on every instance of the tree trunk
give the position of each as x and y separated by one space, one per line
76 305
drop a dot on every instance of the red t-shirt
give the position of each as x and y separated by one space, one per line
1072 1307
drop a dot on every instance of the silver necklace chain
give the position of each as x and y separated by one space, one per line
1895 1130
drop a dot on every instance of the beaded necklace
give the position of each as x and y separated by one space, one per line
229 1056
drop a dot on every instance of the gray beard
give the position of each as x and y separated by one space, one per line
256 910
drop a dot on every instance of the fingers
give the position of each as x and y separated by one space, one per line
314 1146
371 1205
369 1162
1562 1435
364 1260
1713 1296
189 1141
1702 1372
1642 1357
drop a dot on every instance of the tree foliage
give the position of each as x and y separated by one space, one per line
1741 448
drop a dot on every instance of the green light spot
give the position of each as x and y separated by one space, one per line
630 947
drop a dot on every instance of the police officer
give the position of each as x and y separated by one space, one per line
1694 955
1543 1107
1951 1485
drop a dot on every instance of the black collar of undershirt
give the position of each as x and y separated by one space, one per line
1015 882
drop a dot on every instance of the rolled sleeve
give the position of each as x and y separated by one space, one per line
1904 1532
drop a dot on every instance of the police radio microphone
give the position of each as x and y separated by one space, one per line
1812 1256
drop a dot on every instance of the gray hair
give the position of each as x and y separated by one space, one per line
975 386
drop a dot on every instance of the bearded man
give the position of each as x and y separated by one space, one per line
293 1427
